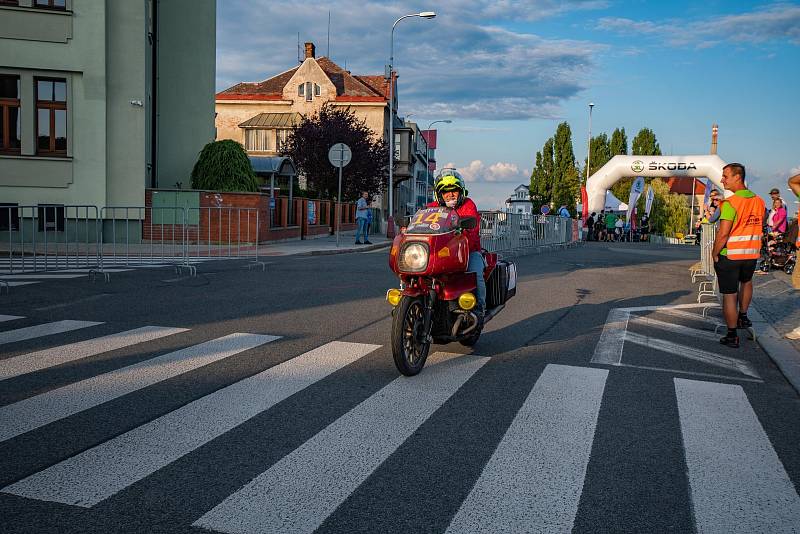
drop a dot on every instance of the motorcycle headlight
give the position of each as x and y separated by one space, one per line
414 257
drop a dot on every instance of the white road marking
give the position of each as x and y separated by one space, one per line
693 373
710 358
40 276
738 482
672 307
17 284
99 473
90 270
676 328
36 361
35 412
609 349
4 318
40 330
688 315
534 479
302 489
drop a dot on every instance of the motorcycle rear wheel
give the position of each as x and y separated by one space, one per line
408 348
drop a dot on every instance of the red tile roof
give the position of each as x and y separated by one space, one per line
349 88
683 185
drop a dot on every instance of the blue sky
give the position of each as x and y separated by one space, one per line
507 72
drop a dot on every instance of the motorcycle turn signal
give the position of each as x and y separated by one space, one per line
393 296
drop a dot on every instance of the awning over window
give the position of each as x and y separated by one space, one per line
272 120
275 165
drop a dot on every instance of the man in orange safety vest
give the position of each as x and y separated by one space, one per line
736 250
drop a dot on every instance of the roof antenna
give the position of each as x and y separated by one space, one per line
298 47
329 35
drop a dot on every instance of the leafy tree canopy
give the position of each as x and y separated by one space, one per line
224 166
313 137
645 143
670 211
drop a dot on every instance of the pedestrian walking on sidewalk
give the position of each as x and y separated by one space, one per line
362 210
736 250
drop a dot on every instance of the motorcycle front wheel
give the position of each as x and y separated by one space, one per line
409 342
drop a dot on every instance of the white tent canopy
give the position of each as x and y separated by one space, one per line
653 167
613 203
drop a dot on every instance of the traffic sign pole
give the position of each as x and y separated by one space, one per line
339 155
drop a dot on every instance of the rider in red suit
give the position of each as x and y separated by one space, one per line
451 191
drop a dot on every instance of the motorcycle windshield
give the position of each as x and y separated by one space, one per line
433 221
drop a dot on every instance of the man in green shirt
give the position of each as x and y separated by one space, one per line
610 221
737 248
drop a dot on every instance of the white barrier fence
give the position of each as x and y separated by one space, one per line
521 234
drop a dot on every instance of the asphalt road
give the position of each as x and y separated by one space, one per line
597 401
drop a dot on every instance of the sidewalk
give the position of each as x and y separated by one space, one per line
323 245
777 303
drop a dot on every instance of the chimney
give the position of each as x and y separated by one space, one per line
714 130
310 50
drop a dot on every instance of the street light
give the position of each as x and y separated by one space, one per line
389 74
589 153
428 173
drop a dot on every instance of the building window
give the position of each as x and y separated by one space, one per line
308 92
256 140
317 90
301 89
9 114
51 4
282 137
51 116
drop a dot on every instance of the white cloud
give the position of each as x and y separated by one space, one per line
477 171
458 64
778 22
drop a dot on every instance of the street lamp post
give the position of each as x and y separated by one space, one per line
389 75
428 173
589 152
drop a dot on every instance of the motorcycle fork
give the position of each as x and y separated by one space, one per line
430 298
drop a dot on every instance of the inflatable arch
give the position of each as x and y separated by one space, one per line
651 167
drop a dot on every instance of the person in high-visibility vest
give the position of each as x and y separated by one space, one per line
736 250
794 185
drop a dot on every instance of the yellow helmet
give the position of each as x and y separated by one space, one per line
449 179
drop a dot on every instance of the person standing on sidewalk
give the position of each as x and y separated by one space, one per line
794 185
736 250
362 208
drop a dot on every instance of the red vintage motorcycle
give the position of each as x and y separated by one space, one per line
436 298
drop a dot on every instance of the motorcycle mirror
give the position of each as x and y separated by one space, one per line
468 223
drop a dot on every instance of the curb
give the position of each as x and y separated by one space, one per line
362 248
778 349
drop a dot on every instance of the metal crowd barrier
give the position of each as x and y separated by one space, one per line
708 287
515 233
48 237
223 233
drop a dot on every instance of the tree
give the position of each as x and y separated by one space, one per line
565 173
645 144
541 187
224 166
670 211
600 153
310 141
618 146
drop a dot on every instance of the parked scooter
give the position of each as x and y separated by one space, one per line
436 299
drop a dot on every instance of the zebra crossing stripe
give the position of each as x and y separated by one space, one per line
306 486
34 412
534 479
17 284
37 276
738 482
36 361
4 318
100 472
41 330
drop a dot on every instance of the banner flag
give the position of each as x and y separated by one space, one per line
636 191
649 202
584 204
709 187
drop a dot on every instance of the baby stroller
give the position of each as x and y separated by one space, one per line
778 252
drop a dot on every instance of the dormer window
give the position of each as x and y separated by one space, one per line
317 90
301 89
309 90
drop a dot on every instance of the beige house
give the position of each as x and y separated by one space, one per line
260 115
101 99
